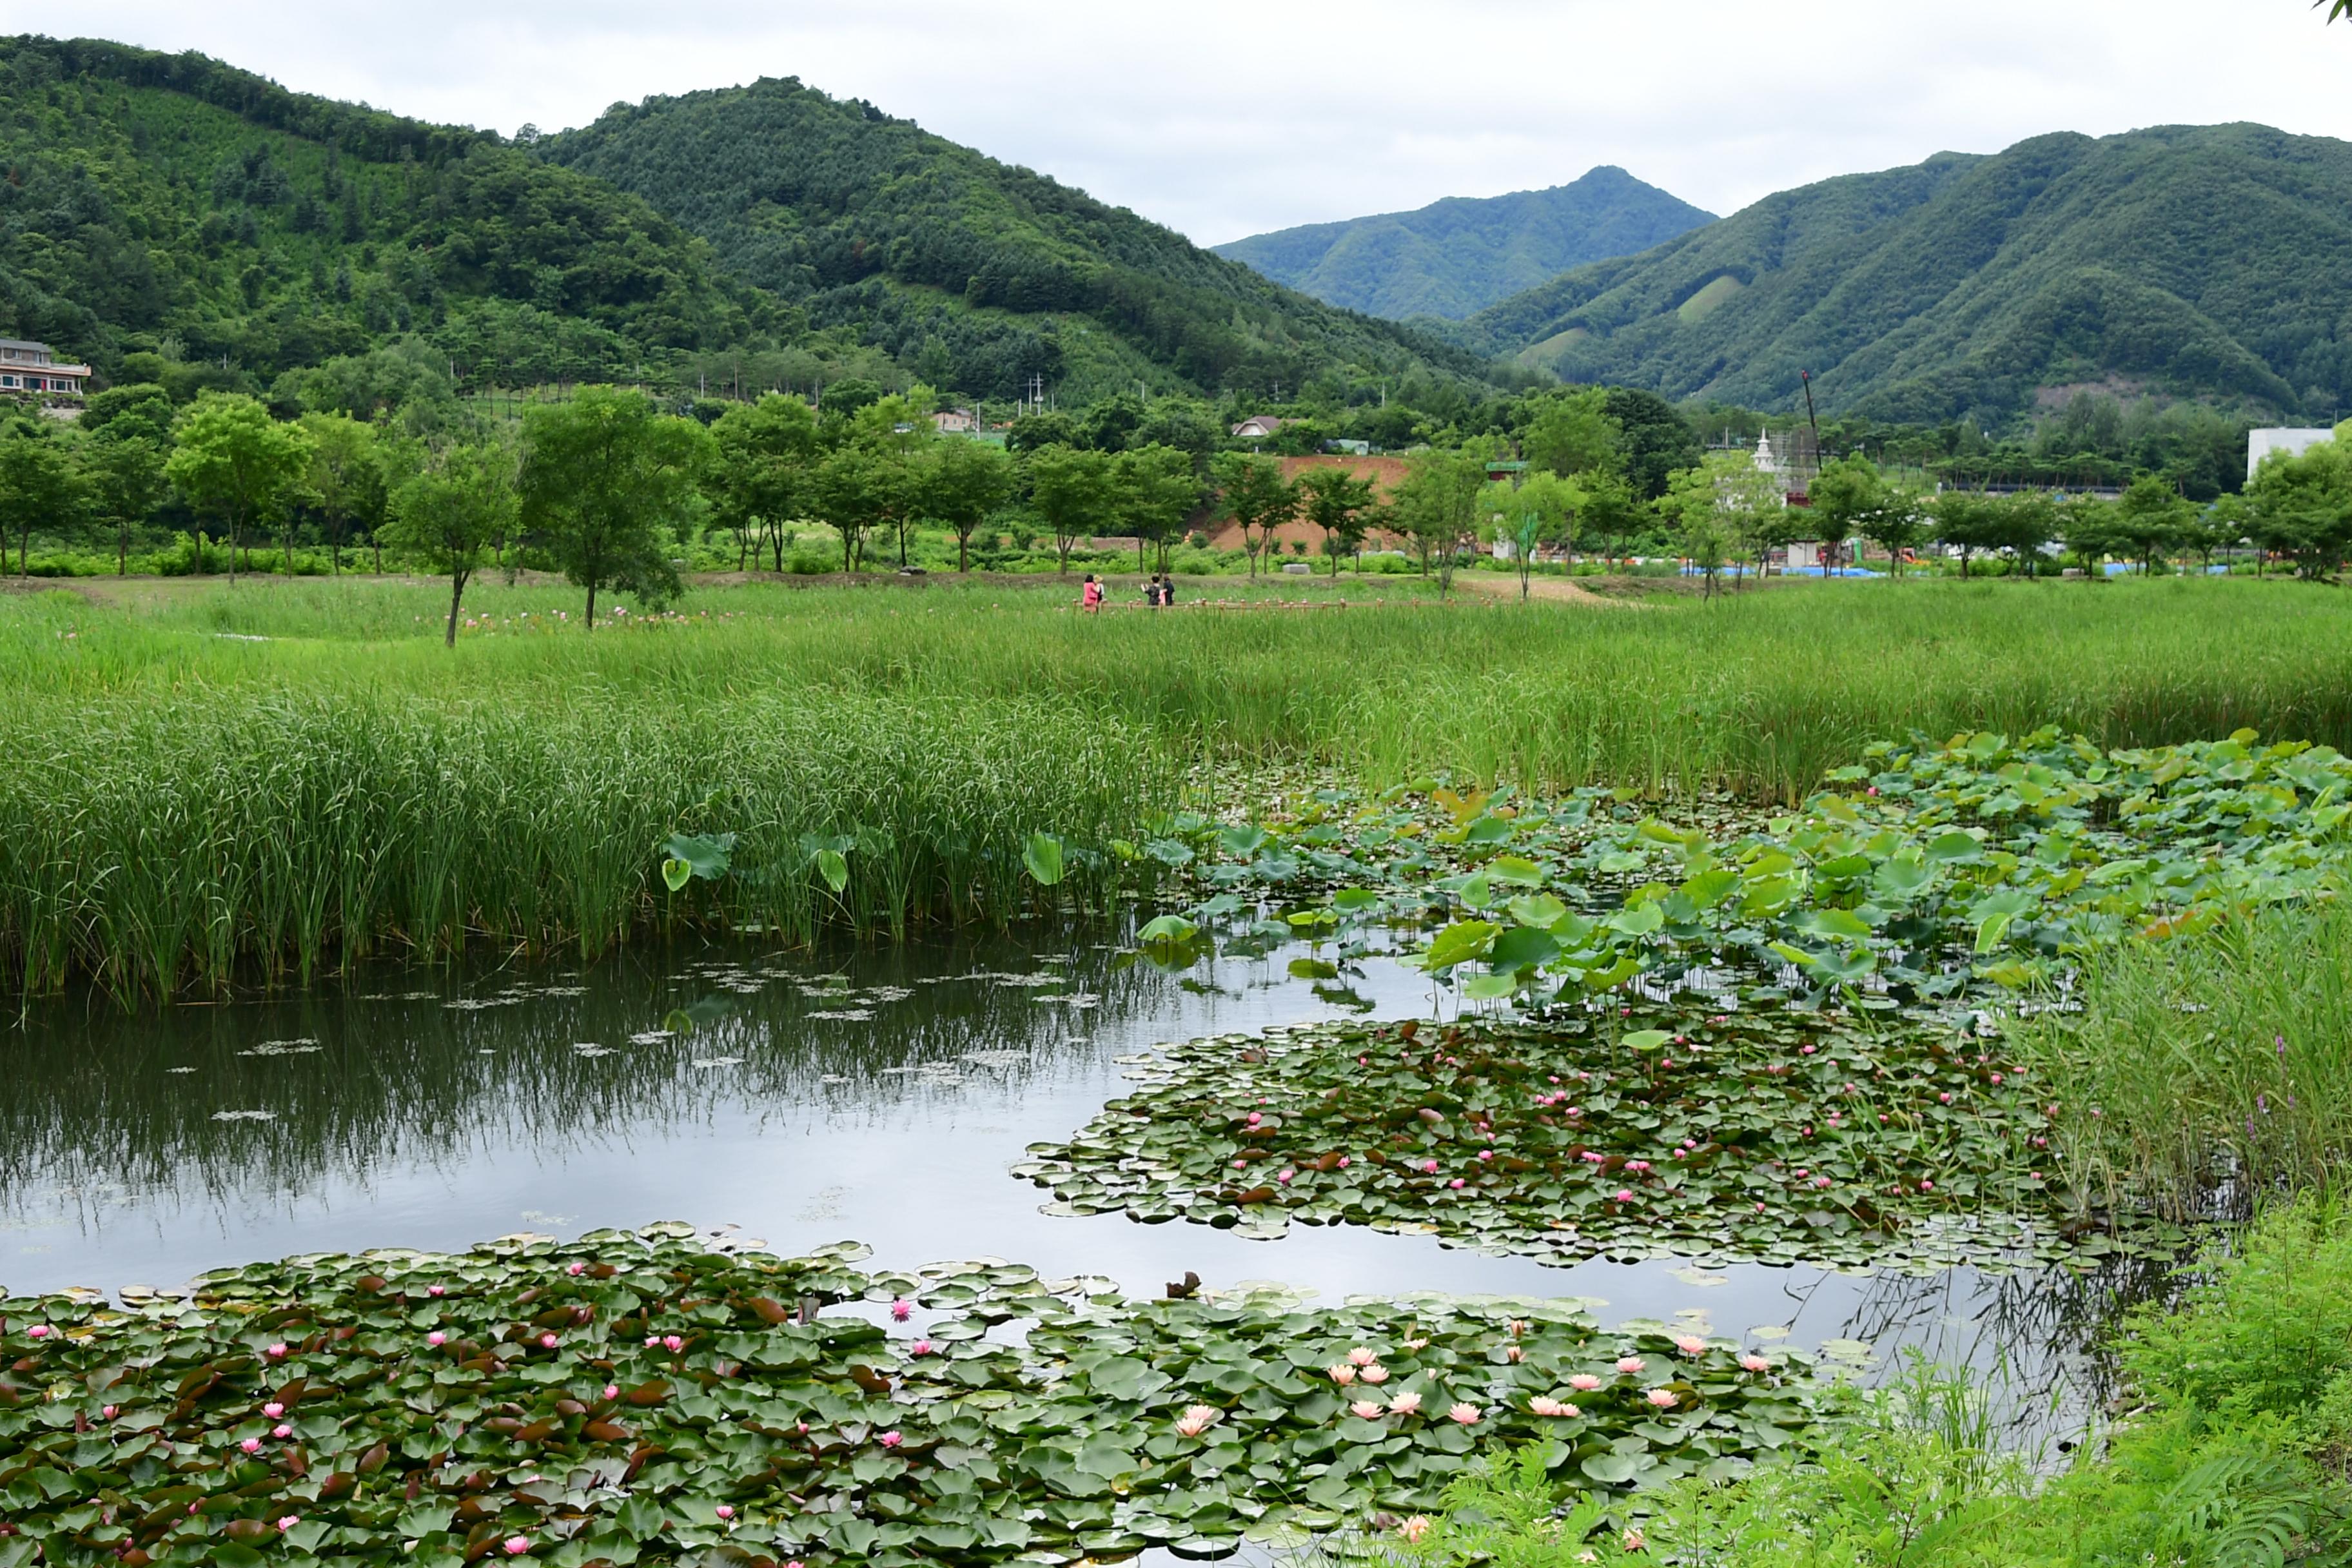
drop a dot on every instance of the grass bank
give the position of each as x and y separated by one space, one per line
2231 1453
284 772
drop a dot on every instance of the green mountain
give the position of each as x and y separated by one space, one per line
171 206
976 273
1457 256
2185 261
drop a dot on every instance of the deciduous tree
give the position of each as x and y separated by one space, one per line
767 455
452 511
962 482
1158 489
1075 491
1340 504
38 489
1543 510
1436 505
1253 493
608 483
346 478
231 458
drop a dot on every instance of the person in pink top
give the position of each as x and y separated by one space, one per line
1091 595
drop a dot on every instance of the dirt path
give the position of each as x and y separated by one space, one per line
1560 590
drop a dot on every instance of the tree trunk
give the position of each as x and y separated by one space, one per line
963 551
592 603
232 532
122 552
456 593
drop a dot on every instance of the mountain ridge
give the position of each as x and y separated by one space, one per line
1461 253
871 221
2199 261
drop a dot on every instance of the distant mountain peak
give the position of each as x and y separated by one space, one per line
1461 253
2190 261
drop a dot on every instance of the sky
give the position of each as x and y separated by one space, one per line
1223 119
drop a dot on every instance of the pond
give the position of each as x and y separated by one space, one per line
874 1094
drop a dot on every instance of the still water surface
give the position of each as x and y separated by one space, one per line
876 1095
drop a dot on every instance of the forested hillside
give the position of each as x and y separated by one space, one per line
2187 261
978 273
171 204
1459 256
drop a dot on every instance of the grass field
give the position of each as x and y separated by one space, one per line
204 776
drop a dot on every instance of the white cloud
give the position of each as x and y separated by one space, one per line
1222 119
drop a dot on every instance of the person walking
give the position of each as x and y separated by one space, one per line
1090 594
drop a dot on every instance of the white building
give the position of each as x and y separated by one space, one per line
2261 444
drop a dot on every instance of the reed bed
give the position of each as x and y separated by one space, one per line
202 778
2211 1069
163 846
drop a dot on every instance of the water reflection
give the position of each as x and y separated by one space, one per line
878 1095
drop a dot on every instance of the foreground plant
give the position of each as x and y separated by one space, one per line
647 1398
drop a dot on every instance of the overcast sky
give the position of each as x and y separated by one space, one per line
1223 119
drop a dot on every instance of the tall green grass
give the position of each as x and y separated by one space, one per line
181 799
164 844
2214 1065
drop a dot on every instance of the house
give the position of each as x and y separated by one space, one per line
29 367
956 422
1258 427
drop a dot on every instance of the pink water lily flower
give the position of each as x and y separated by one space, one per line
1429 1167
920 1347
902 1308
1413 1528
1405 1403
1663 1398
281 1432
1690 1344
1584 1382
1514 1354
1362 1355
1544 1405
251 1445
891 1439
575 1268
275 1353
288 1522
110 1412
517 1545
437 1290
1465 1415
1754 1363
673 1342
1343 1374
1366 1410
1198 1419
547 1342
1374 1375
1630 1364
273 1410
724 1511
